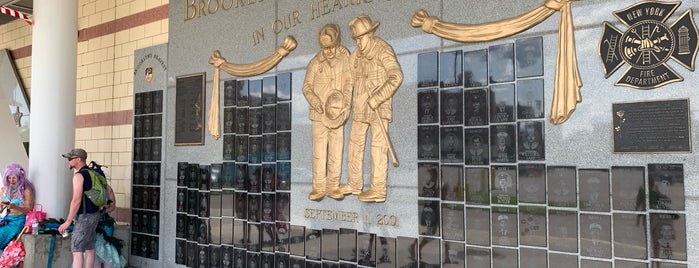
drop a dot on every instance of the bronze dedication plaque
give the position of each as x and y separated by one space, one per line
652 127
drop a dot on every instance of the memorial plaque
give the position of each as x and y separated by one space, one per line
330 240
138 126
148 100
477 186
666 185
297 240
284 87
181 174
241 205
268 177
269 119
630 236
668 265
477 257
586 263
668 236
146 150
503 183
227 231
504 226
348 244
157 121
478 226
268 206
255 121
532 226
283 116
254 172
193 175
269 148
428 179
239 258
181 200
180 225
253 237
229 92
563 260
229 119
313 246
138 103
253 259
228 201
242 92
532 183
476 107
476 68
430 248
652 127
428 142
255 149
501 65
241 120
147 124
241 182
427 106
267 260
453 221
227 258
429 217
451 139
268 236
561 184
215 256
532 258
282 260
451 69
228 174
215 230
190 108
427 69
215 204
595 236
269 90
215 175
594 189
452 179
628 188
283 175
180 251
283 206
204 178
632 264
284 146
406 252
453 254
203 234
476 146
254 204
366 249
530 99
451 106
529 57
532 146
192 225
282 236
204 204
192 202
502 103
505 257
192 253
502 144
386 252
563 230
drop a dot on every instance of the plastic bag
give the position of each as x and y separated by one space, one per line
35 213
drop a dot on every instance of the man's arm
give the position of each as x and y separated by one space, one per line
74 202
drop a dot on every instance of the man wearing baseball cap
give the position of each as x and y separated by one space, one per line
82 212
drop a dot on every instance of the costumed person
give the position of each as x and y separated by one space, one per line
17 200
107 247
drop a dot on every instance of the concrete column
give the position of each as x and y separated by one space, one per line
54 71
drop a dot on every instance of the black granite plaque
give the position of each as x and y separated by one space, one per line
181 200
406 252
215 253
502 103
529 57
147 124
330 250
138 126
366 249
585 263
477 186
157 101
193 175
429 217
255 121
452 179
594 189
530 99
281 260
505 257
668 236
563 230
268 177
229 92
269 119
532 183
563 260
138 103
348 245
204 177
477 257
204 204
453 254
269 148
283 116
180 225
253 236
215 230
476 107
595 236
666 185
630 235
229 120
240 233
241 177
504 226
297 240
427 69
227 257
478 226
313 246
562 186
253 259
430 249
502 144
476 68
157 125
254 176
282 232
284 146
451 69
652 126
215 203
146 151
451 150
192 202
181 174
215 177
268 206
228 174
630 264
503 181
269 90
428 142
241 205
283 206
628 188
453 221
192 225
476 146
532 226
451 106
239 258
532 146
386 252
533 258
267 260
501 63
180 251
190 109
227 231
242 92
254 204
427 106
241 120
255 152
148 99
192 253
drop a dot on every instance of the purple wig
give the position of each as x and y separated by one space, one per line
23 183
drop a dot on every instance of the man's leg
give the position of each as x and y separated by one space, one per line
78 260
379 165
355 159
90 258
335 147
320 153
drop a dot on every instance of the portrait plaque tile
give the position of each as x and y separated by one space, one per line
595 235
241 115
267 234
254 178
503 182
561 182
501 65
428 142
215 203
452 183
504 226
427 106
502 103
330 240
532 183
478 226
227 231
254 204
239 258
630 235
451 145
297 262
192 253
181 174
477 257
453 221
215 175
476 146
529 57
532 258
228 174
632 264
652 127
227 257
181 200
587 263
255 121
215 230
156 145
203 204
284 146
192 225
268 177
241 177
157 125
241 205
453 254
430 248
668 236
146 150
283 231
366 249
268 206
180 225
505 257
476 68
193 177
229 92
283 116
157 96
255 149
283 175
502 144
451 106
138 126
428 179
530 99
229 118
189 109
628 188
180 251
563 260
253 236
138 103
148 97
666 185
427 69
563 230
386 252
297 240
253 259
477 186
347 265
476 107
203 234
429 217
348 244
192 202
269 119
267 260
532 146
242 94
269 90
668 265
284 87
283 206
594 189
269 148
406 252
240 233
451 69
532 226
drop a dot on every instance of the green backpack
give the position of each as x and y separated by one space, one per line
98 193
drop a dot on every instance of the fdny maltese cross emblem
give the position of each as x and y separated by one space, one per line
648 44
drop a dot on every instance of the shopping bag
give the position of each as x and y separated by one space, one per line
35 213
14 252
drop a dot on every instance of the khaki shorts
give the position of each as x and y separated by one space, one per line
84 232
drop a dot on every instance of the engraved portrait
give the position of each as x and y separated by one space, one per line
451 106
532 226
229 120
478 226
428 179
594 189
428 142
476 107
477 186
229 92
284 87
502 144
255 121
504 185
242 93
529 57
595 235
451 139
453 221
269 119
476 146
531 141
668 236
241 121
628 188
269 90
532 183
563 230
454 254
530 99
452 179
502 103
504 226
666 185
429 217
561 186
427 106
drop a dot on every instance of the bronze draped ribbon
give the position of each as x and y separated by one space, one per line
240 70
567 82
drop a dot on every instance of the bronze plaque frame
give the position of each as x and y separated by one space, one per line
660 126
190 109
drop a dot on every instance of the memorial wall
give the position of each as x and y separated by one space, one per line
382 133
